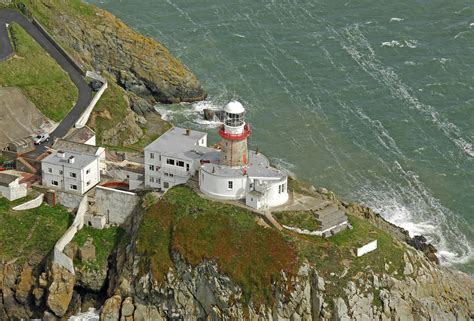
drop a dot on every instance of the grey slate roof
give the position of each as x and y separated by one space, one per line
258 167
7 179
80 160
175 143
62 144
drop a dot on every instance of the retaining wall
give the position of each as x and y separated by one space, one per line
115 205
58 256
34 203
68 200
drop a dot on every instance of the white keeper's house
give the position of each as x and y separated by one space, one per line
70 171
229 173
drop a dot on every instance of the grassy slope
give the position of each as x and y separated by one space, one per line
299 219
249 254
32 232
38 75
199 229
105 241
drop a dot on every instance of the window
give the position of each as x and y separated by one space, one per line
61 172
50 170
166 185
73 175
180 163
171 175
54 183
88 183
187 167
170 161
283 188
73 187
152 179
166 174
157 168
152 167
230 185
152 155
88 171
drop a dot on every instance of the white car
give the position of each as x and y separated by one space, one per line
41 138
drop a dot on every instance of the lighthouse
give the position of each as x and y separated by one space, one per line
234 133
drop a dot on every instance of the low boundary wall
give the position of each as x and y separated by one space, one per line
34 203
82 121
58 256
369 247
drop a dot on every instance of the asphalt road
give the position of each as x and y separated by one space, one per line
84 92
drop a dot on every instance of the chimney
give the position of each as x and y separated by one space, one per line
188 132
71 160
61 154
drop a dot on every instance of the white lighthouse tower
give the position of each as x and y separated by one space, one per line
234 135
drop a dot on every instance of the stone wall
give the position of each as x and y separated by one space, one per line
68 200
34 203
59 257
115 205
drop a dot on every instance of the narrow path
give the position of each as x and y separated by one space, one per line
8 16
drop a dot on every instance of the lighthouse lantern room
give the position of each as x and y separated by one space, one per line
234 135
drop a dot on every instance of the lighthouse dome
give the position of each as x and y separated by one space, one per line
234 107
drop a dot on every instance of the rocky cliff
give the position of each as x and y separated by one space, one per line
141 71
408 286
187 258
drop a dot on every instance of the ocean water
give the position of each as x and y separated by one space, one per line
371 99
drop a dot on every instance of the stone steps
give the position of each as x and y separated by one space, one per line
329 210
333 222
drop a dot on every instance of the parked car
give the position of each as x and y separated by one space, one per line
95 85
41 138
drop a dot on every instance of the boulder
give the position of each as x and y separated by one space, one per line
60 290
87 251
111 309
127 307
24 285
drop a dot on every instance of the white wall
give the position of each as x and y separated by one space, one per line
58 256
276 191
34 203
217 186
14 191
369 247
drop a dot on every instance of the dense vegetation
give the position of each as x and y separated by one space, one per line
105 241
199 229
249 254
41 79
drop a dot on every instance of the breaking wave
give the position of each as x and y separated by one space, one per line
358 47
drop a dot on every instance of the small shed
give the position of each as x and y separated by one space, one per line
10 187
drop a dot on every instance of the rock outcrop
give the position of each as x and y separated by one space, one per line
60 289
424 291
427 292
141 65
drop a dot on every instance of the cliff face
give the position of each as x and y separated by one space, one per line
409 286
102 42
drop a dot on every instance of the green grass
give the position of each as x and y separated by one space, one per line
38 75
30 233
199 229
251 255
104 241
336 254
46 10
299 219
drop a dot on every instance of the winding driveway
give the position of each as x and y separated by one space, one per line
84 92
